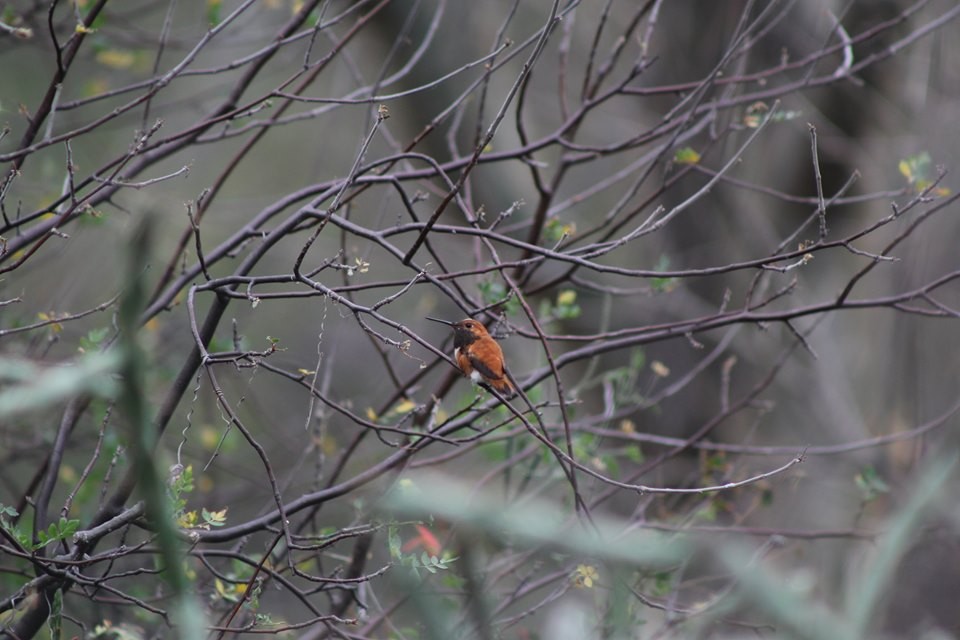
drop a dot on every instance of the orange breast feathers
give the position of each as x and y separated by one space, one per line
482 361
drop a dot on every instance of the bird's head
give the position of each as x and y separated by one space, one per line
468 328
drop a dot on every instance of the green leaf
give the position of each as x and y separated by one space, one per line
555 230
220 344
634 454
686 155
870 483
612 466
493 451
708 512
214 518
663 285
93 339
452 581
213 12
68 527
55 621
427 562
766 497
393 541
916 168
662 583
494 292
92 218
567 307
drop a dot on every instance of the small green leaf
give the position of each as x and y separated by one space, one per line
214 518
663 285
68 527
556 230
662 583
611 465
871 485
567 307
393 541
219 344
493 292
686 155
425 560
93 339
213 12
766 497
55 621
916 167
634 454
906 170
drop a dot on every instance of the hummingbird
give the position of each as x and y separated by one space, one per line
478 355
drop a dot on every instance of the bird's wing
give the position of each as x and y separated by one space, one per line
484 370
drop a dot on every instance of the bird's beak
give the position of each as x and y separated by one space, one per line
446 322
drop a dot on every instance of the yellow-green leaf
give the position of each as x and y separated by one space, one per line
686 155
659 369
567 297
116 58
904 167
213 11
406 406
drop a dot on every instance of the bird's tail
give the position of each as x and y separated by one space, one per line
503 386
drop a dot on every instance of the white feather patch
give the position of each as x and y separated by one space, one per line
475 375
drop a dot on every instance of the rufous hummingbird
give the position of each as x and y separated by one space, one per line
478 355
